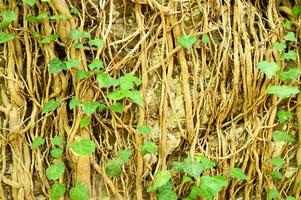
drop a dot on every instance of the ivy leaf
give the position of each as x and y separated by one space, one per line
277 176
5 37
76 34
113 169
84 122
56 152
73 103
55 171
187 41
96 64
193 169
280 136
50 38
279 46
96 42
284 116
144 129
186 179
277 161
101 107
296 10
83 147
161 178
287 24
56 66
195 192
7 18
268 68
127 82
238 173
106 81
210 186
57 190
207 164
81 74
79 192
57 140
72 63
124 155
51 106
205 38
290 198
136 97
273 194
117 107
290 55
149 147
89 107
118 94
42 16
167 195
38 141
291 74
74 10
283 92
290 36
79 45
29 2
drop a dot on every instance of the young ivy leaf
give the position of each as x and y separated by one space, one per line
55 171
186 179
290 55
277 161
284 91
50 38
84 122
161 178
56 152
113 169
7 18
118 94
29 2
280 136
76 34
42 16
238 173
96 42
277 176
279 46
117 107
136 97
81 74
127 82
149 147
205 39
51 106
5 37
96 64
57 190
273 194
211 186
284 116
296 10
38 141
290 198
79 192
290 36
106 81
101 107
55 66
79 45
167 195
72 63
73 103
83 147
89 107
124 155
74 10
291 74
207 164
193 169
144 129
57 140
287 24
268 68
186 41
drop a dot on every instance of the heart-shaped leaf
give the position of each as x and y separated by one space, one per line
268 68
284 91
186 41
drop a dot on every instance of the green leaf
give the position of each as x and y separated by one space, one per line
84 122
29 2
279 46
51 106
207 164
117 107
187 41
211 186
106 81
55 66
291 74
205 38
290 36
72 63
7 18
268 68
280 136
284 116
79 192
96 64
57 190
238 173
277 176
73 103
89 107
277 161
118 94
287 24
127 82
195 192
32 19
124 155
161 178
144 129
56 152
42 16
83 147
290 198
50 38
283 92
96 42
5 37
167 195
81 74
55 171
79 45
57 17
186 179
76 34
57 140
74 10
38 141
101 107
149 147
193 169
136 97
273 194
296 10
113 169
290 55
